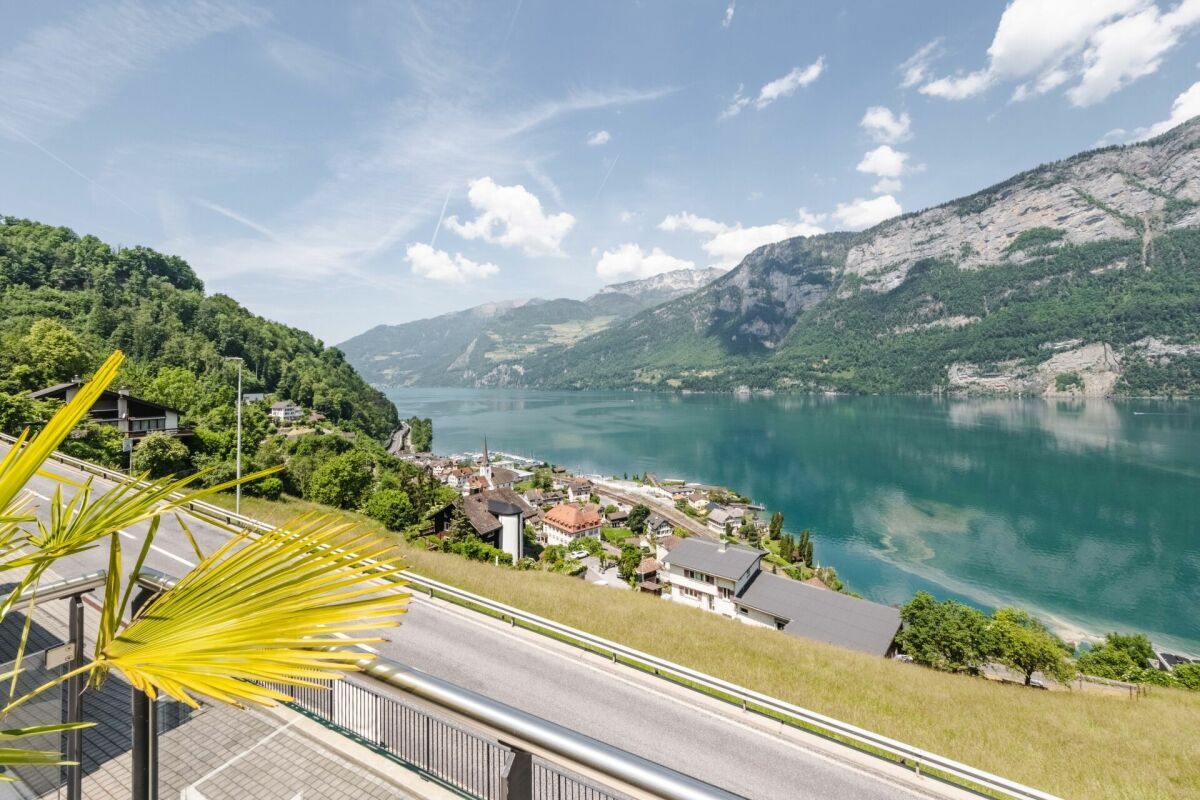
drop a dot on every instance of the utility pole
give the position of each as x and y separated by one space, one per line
237 503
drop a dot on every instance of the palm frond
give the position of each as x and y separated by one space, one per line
261 609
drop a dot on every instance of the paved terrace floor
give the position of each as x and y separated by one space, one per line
215 752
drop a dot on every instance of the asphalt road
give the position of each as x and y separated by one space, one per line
686 732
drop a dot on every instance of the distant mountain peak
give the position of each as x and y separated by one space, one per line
675 280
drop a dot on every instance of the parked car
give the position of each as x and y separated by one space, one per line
578 555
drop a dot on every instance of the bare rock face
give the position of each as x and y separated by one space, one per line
1109 194
1091 370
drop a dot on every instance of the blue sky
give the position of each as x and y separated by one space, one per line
337 166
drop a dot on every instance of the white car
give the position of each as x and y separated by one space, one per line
578 555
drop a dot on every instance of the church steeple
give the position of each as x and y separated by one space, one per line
486 469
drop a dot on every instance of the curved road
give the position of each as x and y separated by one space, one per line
673 726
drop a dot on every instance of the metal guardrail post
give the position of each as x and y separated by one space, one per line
518 774
144 761
75 701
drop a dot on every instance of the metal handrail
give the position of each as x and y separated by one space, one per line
530 732
535 733
749 699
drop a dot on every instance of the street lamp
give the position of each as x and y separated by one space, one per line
237 503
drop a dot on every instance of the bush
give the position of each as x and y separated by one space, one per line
1188 676
341 481
160 455
393 508
269 488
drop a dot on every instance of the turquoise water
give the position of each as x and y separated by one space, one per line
1086 512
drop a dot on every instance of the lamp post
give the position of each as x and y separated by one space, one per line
237 503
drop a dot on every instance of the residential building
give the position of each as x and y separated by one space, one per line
286 411
708 574
698 500
565 523
646 576
618 518
728 579
658 525
579 490
497 516
253 397
821 614
721 516
457 477
132 416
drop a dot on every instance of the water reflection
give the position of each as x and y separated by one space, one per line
1084 510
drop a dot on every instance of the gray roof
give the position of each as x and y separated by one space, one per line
655 520
823 614
704 555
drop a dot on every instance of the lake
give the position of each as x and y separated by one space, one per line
1086 512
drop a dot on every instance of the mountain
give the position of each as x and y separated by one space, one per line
69 300
489 344
1077 277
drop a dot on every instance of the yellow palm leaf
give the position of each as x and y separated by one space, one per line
260 609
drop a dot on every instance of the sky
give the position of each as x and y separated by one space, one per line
336 166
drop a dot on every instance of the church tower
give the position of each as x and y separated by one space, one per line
486 469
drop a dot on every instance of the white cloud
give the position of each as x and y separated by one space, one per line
438 265
860 213
776 89
311 64
629 261
59 72
886 127
1186 106
598 138
729 244
512 216
1102 45
727 20
916 69
884 162
887 186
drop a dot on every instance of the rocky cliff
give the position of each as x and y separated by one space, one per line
1077 277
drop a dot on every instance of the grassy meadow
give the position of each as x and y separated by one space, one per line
1074 744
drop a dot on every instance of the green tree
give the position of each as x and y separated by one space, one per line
53 353
637 518
628 563
160 454
341 481
1137 645
393 508
776 525
1108 662
803 552
1023 643
1188 676
946 635
786 545
269 488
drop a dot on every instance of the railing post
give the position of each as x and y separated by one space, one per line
144 762
518 774
75 701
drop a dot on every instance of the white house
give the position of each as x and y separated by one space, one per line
286 411
709 574
579 490
720 516
565 523
728 579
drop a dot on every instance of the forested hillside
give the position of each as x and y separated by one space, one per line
87 299
1078 277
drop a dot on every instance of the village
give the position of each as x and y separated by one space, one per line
689 543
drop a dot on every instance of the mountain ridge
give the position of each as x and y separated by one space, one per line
489 342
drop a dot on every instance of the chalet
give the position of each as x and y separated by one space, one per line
249 398
698 500
565 523
132 416
618 518
579 490
497 516
728 579
722 516
285 411
477 483
457 477
658 525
